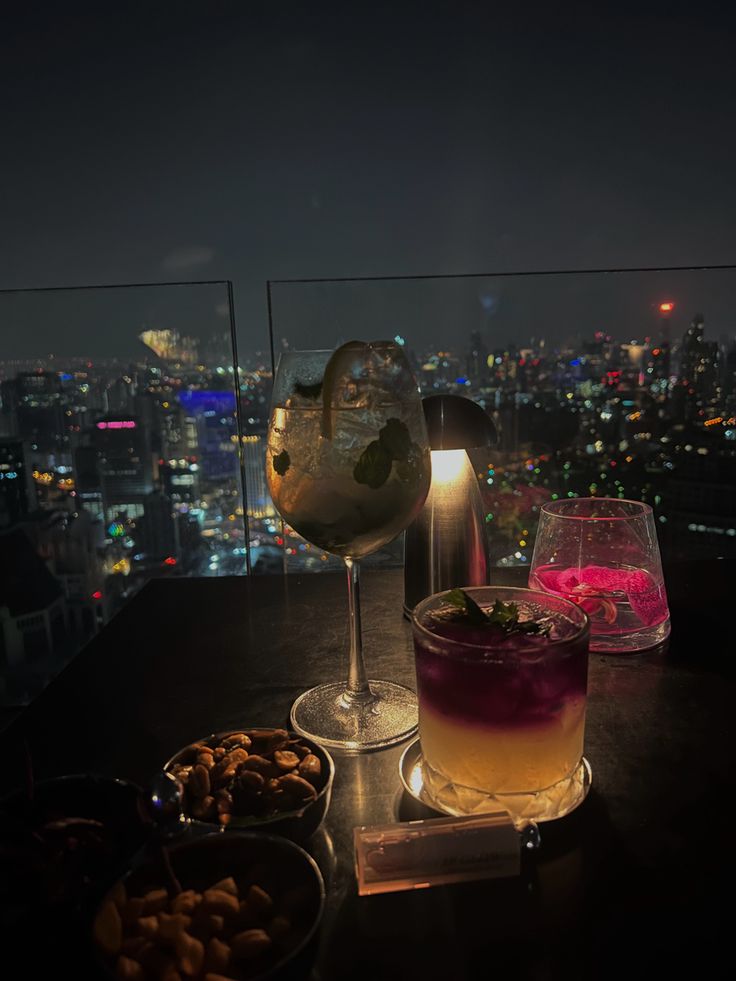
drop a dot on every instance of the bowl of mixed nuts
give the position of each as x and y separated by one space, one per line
253 778
236 907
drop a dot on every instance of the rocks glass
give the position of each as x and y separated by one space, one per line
602 554
502 713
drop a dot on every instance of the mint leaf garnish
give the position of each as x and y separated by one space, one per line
395 439
503 616
393 443
374 466
309 391
281 463
459 598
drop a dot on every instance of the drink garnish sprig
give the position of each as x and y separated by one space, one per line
502 616
394 443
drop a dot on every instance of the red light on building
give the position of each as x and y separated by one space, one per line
97 595
667 307
170 560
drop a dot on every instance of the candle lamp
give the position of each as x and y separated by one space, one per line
447 545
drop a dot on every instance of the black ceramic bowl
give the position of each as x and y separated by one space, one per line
278 866
66 843
60 851
298 822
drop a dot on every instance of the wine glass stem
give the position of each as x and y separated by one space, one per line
357 687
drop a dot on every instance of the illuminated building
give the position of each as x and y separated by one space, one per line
662 365
17 490
125 465
214 412
180 480
170 345
34 404
699 371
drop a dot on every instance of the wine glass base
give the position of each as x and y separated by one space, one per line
325 714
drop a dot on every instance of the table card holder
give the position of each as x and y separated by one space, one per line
438 851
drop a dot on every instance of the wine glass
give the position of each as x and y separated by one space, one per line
348 468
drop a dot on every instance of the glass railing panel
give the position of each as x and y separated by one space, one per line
119 435
615 383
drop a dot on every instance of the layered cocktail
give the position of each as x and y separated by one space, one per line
501 679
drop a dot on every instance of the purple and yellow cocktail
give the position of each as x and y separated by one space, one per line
502 688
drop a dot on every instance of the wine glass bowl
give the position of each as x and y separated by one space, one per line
348 468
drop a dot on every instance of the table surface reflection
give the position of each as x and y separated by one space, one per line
637 880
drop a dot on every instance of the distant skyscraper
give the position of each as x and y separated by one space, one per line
663 362
699 374
159 538
34 401
477 360
125 463
17 490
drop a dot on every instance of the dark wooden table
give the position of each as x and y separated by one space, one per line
637 881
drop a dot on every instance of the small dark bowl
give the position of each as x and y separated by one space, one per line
297 824
278 865
52 872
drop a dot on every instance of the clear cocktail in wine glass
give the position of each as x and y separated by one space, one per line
348 469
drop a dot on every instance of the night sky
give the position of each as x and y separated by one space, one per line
249 141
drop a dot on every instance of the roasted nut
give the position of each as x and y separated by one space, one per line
186 902
206 760
285 760
220 902
258 763
148 927
189 953
217 956
182 772
205 809
170 925
154 901
298 787
267 740
236 756
294 746
227 885
218 752
108 928
129 970
236 739
310 768
259 900
249 944
199 781
206 925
